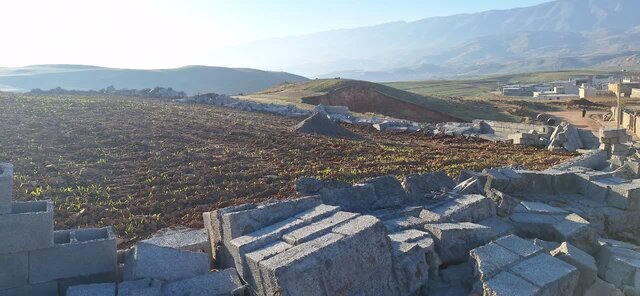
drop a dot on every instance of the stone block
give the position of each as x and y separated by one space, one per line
64 284
6 187
29 227
469 186
14 271
466 208
107 289
252 271
388 190
195 240
575 230
538 207
601 287
534 225
551 275
358 198
318 229
421 186
505 203
395 213
584 262
491 259
498 226
619 265
625 195
220 283
411 248
524 248
507 284
143 287
611 132
354 259
404 223
77 252
505 180
454 241
167 264
42 289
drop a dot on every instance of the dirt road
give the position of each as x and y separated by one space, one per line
575 117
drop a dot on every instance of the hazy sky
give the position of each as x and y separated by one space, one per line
163 34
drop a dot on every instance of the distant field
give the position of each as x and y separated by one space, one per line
144 165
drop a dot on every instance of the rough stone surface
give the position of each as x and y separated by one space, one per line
585 264
221 283
490 259
454 241
506 283
358 198
167 264
553 276
600 288
183 239
388 190
618 264
6 187
422 186
143 287
466 208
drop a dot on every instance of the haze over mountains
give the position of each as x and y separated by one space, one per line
554 35
190 79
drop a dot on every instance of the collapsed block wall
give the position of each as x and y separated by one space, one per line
504 129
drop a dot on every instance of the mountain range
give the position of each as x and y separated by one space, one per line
554 35
190 79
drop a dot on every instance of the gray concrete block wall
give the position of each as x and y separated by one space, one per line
14 270
505 129
29 227
76 252
6 187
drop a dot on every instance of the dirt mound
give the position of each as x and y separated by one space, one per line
319 124
584 103
365 99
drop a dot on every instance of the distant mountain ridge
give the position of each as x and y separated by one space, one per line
487 42
190 79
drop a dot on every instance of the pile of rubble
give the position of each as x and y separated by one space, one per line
245 105
156 92
496 232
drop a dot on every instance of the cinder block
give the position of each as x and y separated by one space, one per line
14 270
76 252
161 263
29 227
6 187
107 289
64 284
143 287
195 240
43 289
224 282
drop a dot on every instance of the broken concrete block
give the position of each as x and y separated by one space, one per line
454 241
524 248
625 195
167 264
466 208
359 198
575 230
143 287
534 225
491 259
469 186
14 271
601 287
195 240
220 283
585 264
548 246
506 283
410 249
551 275
504 180
538 207
354 258
29 227
389 192
6 187
498 226
505 202
93 290
421 186
77 252
618 264
408 222
395 213
64 284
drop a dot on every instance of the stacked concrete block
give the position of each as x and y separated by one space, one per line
105 289
466 208
225 282
515 266
454 240
35 259
526 139
163 263
613 141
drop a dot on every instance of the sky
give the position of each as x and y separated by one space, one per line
154 34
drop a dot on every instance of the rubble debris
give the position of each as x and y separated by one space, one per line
565 137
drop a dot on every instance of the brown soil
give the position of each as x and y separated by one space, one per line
364 99
143 165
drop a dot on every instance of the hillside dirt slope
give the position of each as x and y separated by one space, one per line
363 99
143 165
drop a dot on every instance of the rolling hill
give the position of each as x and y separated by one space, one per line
562 34
191 79
369 97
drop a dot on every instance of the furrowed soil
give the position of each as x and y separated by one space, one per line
143 165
